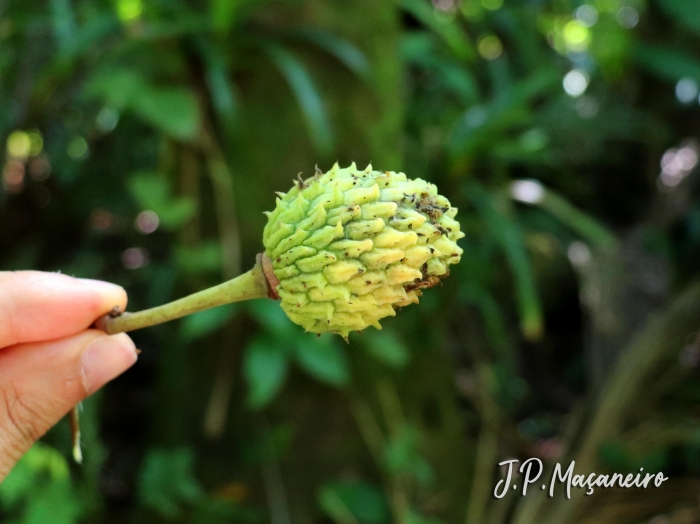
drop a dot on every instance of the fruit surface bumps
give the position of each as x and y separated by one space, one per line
350 246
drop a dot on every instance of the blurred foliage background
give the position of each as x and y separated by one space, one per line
143 140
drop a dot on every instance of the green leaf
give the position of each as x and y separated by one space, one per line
222 91
387 347
419 49
167 481
416 518
223 13
205 322
482 126
222 511
323 359
473 292
205 258
448 30
152 191
357 501
614 456
271 316
306 94
510 237
344 51
116 87
40 460
172 110
185 23
582 223
403 458
89 35
64 26
265 367
685 12
667 63
56 503
40 485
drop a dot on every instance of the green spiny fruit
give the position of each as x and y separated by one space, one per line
350 246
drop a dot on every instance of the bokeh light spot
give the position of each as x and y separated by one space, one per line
129 10
235 491
77 148
476 117
13 176
533 140
627 17
587 15
579 254
676 164
687 158
686 90
444 5
575 82
472 10
587 107
101 219
492 5
490 47
576 36
40 168
660 519
19 144
134 258
527 191
36 143
690 356
107 119
147 222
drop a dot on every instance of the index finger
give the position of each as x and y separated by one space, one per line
36 306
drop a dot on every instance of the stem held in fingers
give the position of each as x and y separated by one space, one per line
249 285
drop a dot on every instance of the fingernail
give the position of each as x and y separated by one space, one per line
106 358
106 294
102 286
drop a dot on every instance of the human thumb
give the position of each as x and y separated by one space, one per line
41 382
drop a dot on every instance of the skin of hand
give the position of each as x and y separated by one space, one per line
49 358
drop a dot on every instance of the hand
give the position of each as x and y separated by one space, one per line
49 359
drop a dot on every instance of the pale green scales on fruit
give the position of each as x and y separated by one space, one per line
349 246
